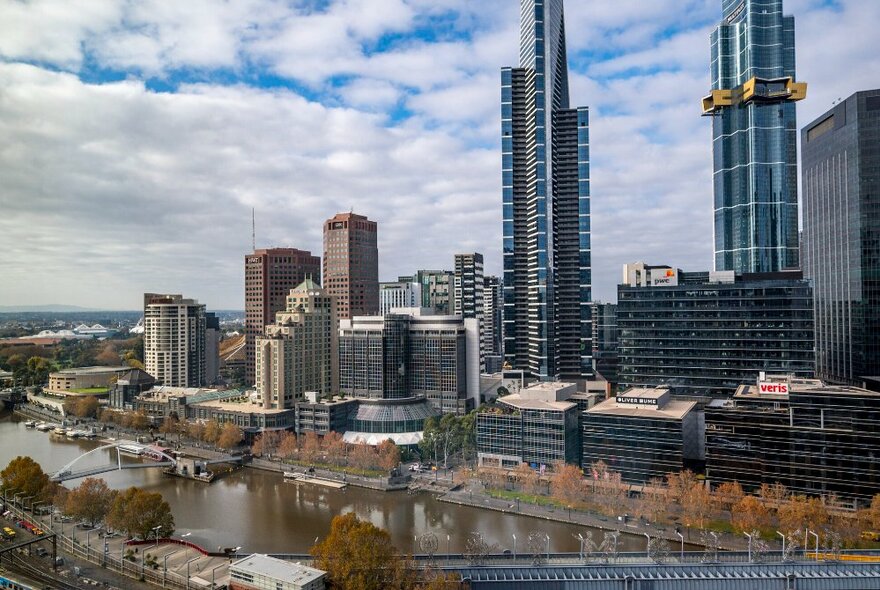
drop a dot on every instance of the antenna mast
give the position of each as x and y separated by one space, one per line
254 229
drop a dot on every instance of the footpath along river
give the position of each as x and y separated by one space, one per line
259 512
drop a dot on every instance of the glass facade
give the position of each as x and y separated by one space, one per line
605 340
706 338
754 137
816 440
545 205
391 416
841 183
536 436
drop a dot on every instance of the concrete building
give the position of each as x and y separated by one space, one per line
300 351
261 572
754 137
128 386
269 275
705 333
642 433
351 264
841 173
212 348
538 426
85 380
174 340
411 352
163 401
545 179
436 287
811 437
324 414
468 288
245 413
397 294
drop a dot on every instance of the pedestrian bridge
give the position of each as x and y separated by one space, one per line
67 472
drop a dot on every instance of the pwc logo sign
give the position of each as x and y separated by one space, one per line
764 387
664 278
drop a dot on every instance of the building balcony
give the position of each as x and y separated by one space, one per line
755 90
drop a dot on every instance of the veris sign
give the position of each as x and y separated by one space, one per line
765 387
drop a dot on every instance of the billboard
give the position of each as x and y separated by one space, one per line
664 277
769 387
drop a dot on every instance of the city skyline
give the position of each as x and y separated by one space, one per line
156 193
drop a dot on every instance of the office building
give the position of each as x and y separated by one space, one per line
754 137
705 333
436 287
212 348
351 264
468 290
174 340
399 294
324 414
841 175
643 433
546 205
262 572
269 275
605 340
411 352
811 437
128 386
537 426
492 344
300 351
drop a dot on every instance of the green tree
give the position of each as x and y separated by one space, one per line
428 444
90 501
138 512
38 369
359 556
25 476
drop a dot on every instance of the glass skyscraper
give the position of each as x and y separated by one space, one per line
754 137
546 205
841 168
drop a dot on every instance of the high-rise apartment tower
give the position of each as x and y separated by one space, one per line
754 137
468 291
269 275
546 205
351 264
174 340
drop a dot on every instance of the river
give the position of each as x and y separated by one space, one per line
259 512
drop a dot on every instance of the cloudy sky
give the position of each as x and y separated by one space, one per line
138 135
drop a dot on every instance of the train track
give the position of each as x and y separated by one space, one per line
22 566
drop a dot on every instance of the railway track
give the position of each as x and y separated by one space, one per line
20 565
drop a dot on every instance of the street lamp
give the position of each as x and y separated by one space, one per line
581 553
750 546
548 546
156 530
447 549
186 543
212 574
165 566
817 544
681 555
89 540
187 569
514 547
783 543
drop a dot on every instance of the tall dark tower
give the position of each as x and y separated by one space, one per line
546 205
754 137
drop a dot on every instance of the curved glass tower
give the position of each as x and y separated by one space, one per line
546 205
754 137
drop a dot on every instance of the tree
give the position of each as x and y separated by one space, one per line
212 431
652 502
363 456
727 495
138 512
696 504
288 446
358 556
169 425
230 436
428 444
389 455
139 420
801 512
311 447
257 446
529 482
872 513
679 484
334 446
750 514
90 501
26 477
567 483
81 407
773 495
195 430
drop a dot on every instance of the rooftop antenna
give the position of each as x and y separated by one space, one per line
254 228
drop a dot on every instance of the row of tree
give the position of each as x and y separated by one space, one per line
31 365
449 436
330 449
139 513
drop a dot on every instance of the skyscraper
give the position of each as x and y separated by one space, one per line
841 168
492 297
469 293
351 264
546 205
435 286
174 340
269 275
754 137
299 352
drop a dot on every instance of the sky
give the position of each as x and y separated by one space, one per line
139 135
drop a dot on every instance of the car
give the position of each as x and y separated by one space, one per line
42 552
8 533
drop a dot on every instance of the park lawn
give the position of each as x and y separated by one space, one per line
91 390
337 469
527 498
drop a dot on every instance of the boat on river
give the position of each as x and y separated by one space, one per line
44 427
132 449
60 431
30 423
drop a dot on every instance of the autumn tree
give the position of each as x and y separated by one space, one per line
567 482
212 431
363 456
288 446
388 455
696 504
311 447
87 407
169 425
26 477
196 430
138 512
750 514
230 436
652 502
357 555
90 501
773 495
334 446
139 420
872 513
727 495
527 478
801 512
679 484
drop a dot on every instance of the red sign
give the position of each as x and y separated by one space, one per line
773 387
